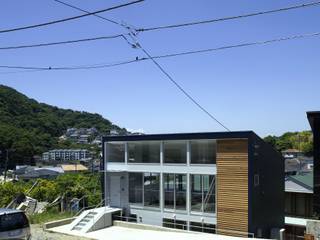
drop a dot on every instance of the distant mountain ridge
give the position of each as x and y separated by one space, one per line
29 127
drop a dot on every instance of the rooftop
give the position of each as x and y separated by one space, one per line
181 136
311 116
73 167
291 151
302 182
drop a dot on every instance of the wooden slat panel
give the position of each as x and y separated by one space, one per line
232 186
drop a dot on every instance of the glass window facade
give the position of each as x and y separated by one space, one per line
203 193
180 191
203 151
151 191
175 152
115 152
136 188
175 191
144 152
196 193
168 185
209 192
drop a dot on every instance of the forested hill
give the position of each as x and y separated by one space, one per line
29 127
293 140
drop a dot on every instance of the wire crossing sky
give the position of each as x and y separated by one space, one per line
264 82
38 25
168 55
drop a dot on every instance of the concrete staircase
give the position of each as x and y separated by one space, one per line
94 219
84 222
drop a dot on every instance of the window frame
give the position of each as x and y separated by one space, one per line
164 142
174 192
107 152
141 162
203 212
198 163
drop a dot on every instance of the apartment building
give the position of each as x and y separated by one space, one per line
64 155
225 182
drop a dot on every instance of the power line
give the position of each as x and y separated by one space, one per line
106 65
169 76
83 67
61 42
183 91
82 10
311 4
240 45
69 19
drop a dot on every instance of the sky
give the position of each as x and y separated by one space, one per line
265 88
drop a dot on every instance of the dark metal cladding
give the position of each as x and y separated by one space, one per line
314 120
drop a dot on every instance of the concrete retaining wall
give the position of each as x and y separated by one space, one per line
144 226
57 223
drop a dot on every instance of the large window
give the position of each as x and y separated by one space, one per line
175 190
208 193
168 185
151 189
196 193
115 152
203 151
203 193
144 152
180 191
175 151
136 188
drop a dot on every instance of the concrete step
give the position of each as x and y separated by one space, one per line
81 224
77 228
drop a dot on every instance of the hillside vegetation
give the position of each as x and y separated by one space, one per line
29 127
297 140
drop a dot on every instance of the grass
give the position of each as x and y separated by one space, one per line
48 216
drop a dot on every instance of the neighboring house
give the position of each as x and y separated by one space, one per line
64 155
70 168
83 139
298 204
291 153
226 182
29 172
80 135
303 190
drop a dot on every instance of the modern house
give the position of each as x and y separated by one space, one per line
224 182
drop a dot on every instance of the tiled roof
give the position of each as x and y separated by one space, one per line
73 167
304 180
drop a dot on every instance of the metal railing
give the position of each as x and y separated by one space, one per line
186 227
100 204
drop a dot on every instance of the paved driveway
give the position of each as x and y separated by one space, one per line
38 234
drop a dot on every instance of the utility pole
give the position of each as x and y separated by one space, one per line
6 165
6 162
